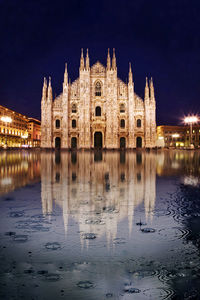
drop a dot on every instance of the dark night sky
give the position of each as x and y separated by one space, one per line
160 38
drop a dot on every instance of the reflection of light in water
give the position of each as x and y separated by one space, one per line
17 168
191 180
6 181
175 165
25 165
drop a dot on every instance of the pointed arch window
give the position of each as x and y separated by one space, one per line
57 123
74 108
98 111
122 123
122 108
73 123
98 89
139 123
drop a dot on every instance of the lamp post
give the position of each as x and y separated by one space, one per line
190 120
6 120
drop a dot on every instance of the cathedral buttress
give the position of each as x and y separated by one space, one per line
131 108
65 111
43 114
147 116
111 104
49 115
84 103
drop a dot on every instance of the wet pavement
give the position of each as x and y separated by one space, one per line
100 225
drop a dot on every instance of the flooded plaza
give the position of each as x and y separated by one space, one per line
100 225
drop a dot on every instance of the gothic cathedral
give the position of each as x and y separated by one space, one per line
98 110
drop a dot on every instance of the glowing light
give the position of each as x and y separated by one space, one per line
175 135
6 119
191 119
25 136
160 137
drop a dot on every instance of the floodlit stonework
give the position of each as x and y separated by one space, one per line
98 110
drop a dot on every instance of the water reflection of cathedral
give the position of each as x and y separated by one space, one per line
98 189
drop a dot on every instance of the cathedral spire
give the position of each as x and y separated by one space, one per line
82 65
146 93
87 65
114 65
50 95
44 90
108 60
152 95
65 76
130 77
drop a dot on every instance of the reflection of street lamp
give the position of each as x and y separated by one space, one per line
191 120
6 120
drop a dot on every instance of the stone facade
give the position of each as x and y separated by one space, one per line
98 110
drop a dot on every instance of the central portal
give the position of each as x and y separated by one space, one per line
98 139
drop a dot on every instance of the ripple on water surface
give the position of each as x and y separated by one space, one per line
52 277
159 293
53 246
148 230
21 238
89 236
16 214
85 284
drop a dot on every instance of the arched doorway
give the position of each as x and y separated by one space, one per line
57 142
139 142
74 143
98 139
122 142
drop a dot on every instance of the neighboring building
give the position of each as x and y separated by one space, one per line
34 132
15 132
18 130
179 136
98 110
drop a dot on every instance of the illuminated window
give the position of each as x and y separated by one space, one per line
139 124
122 108
73 123
98 89
122 123
98 111
57 123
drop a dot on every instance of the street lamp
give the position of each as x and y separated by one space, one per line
191 120
6 120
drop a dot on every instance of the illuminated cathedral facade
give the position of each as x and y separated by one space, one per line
98 110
